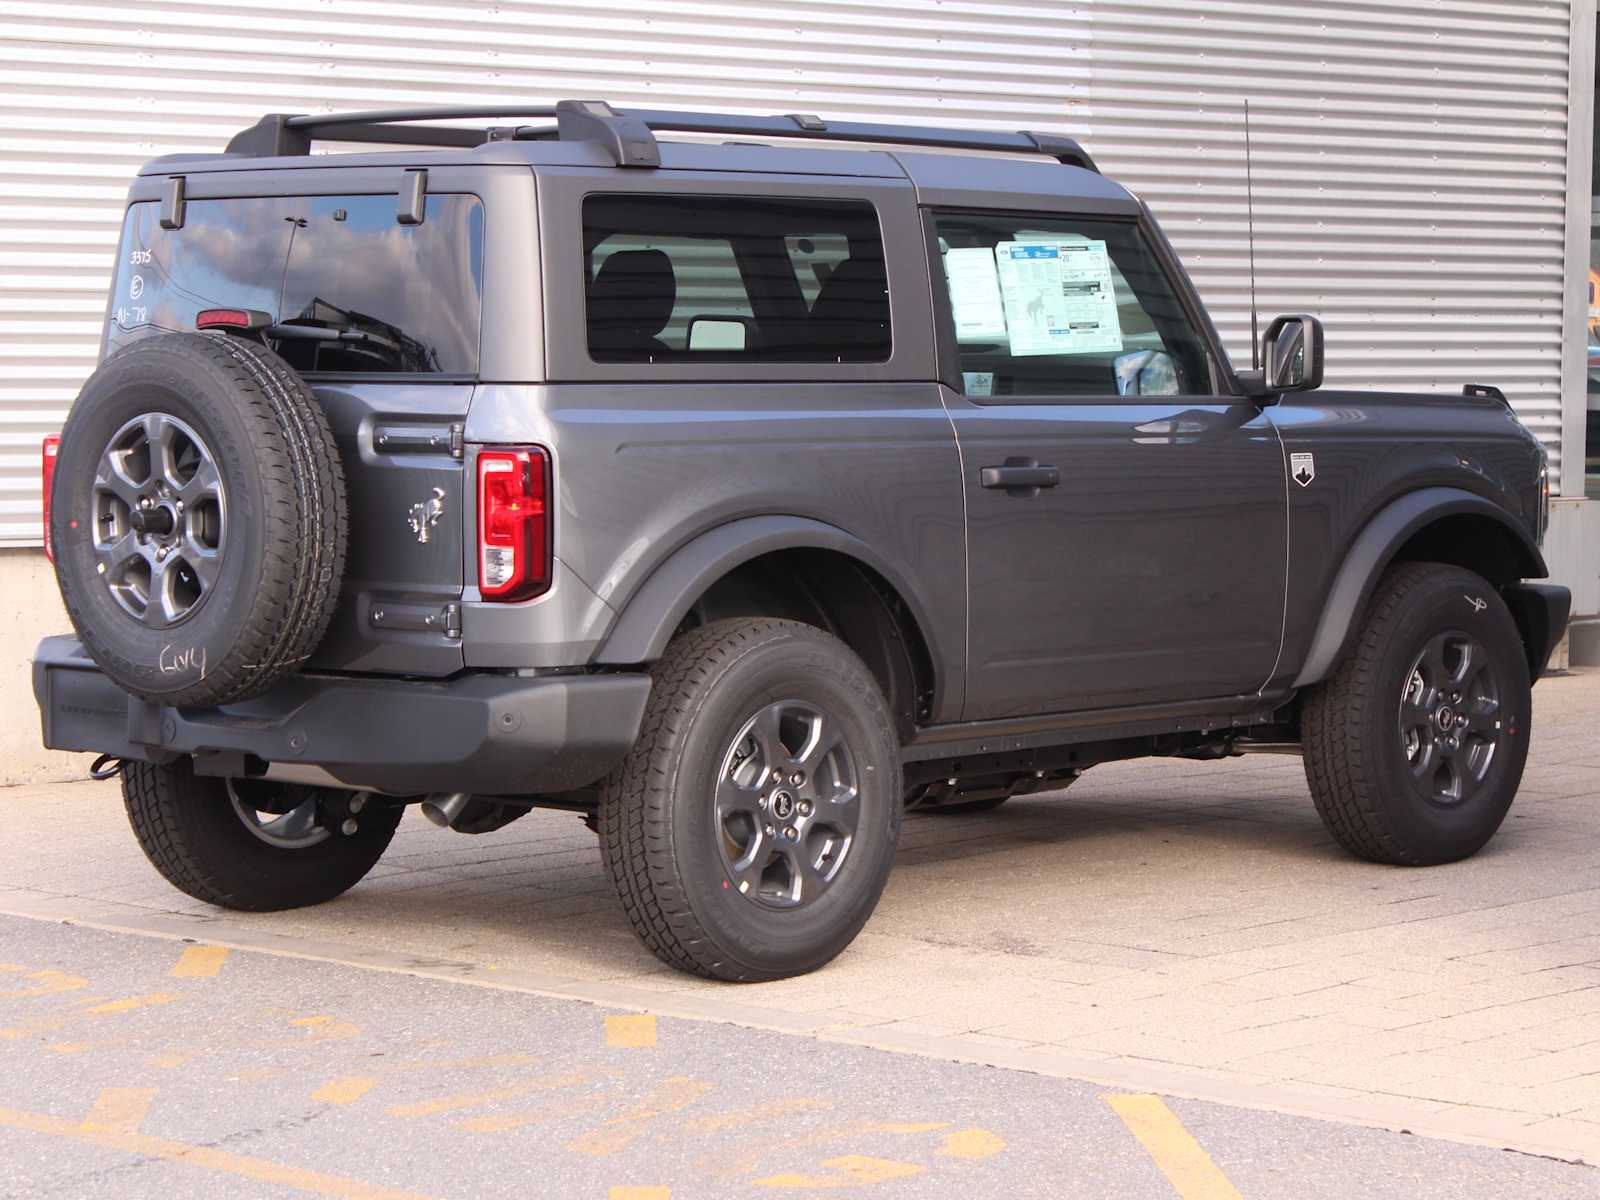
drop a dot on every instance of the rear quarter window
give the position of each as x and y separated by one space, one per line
408 296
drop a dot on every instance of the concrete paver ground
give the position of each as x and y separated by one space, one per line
1183 927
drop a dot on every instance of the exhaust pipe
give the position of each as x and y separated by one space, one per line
442 808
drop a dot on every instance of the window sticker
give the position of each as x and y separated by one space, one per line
977 383
1058 297
975 294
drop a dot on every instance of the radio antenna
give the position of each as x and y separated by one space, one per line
1250 219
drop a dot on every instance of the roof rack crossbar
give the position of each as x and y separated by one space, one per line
627 134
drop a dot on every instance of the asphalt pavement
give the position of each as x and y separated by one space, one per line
136 1066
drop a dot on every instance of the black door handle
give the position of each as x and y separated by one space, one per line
1017 476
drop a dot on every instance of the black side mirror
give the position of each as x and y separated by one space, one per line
1292 351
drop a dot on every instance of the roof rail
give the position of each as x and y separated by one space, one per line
628 135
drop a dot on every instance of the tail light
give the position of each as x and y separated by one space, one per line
513 523
47 476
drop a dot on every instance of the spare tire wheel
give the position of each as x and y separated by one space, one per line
199 519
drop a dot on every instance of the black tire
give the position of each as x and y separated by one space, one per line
190 829
271 539
669 840
1378 732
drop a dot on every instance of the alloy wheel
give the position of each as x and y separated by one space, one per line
787 805
1450 720
160 519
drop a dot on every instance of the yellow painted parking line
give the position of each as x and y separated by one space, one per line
723 1121
631 1032
1182 1160
200 962
346 1090
129 1003
205 1157
670 1096
119 1110
48 983
638 1193
971 1144
550 1112
444 1104
852 1170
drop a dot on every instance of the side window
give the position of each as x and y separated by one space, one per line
1043 306
729 279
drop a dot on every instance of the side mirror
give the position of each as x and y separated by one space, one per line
725 334
1292 351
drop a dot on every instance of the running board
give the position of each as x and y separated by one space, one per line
1056 729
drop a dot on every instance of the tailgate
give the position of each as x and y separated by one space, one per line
399 607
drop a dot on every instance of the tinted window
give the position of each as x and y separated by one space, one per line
1051 307
407 296
714 278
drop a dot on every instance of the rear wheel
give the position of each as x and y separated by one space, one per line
252 844
751 829
1414 747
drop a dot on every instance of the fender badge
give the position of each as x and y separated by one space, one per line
425 515
1303 467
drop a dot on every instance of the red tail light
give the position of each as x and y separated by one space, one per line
47 476
513 523
247 319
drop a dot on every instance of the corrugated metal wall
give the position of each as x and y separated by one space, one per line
1409 155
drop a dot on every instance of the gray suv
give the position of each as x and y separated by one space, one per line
739 496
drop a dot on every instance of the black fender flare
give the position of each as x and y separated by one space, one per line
1374 549
654 611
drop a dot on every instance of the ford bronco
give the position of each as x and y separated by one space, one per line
738 492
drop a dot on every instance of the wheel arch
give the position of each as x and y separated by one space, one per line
1434 524
837 583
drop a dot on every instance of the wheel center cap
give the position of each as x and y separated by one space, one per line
1445 717
782 805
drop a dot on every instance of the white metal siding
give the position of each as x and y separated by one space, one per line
1409 154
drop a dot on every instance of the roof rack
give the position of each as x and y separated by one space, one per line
628 135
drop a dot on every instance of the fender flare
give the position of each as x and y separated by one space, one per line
654 611
1373 550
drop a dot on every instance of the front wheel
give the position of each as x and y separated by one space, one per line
750 831
1414 747
254 845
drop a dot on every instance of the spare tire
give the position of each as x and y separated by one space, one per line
199 519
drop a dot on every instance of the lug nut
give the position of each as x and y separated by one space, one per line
789 833
770 830
761 803
805 808
144 501
797 778
357 802
350 826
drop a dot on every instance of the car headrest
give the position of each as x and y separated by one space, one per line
631 299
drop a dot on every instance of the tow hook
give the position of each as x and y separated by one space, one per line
107 766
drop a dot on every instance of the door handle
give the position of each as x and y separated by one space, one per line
1012 476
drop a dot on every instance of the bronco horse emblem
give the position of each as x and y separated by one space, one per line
425 515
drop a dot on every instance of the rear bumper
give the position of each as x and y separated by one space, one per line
1541 611
492 734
